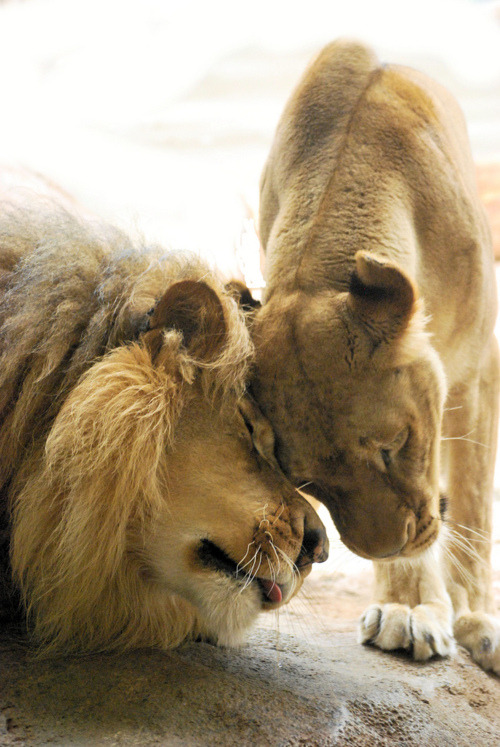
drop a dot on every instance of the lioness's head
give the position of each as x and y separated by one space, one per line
355 392
155 510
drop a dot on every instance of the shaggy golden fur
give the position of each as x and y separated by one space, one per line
375 357
140 497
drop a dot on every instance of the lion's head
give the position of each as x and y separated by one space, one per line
355 393
146 504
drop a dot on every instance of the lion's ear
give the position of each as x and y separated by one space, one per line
192 308
243 296
382 297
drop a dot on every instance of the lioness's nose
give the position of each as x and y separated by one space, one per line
314 542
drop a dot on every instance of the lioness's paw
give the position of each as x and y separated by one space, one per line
480 634
419 630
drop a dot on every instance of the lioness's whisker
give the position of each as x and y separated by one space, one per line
252 571
343 554
295 624
291 565
464 574
248 580
467 548
264 511
310 613
483 536
463 540
281 509
464 438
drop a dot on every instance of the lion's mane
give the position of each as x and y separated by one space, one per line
73 299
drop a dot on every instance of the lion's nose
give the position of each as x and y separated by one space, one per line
314 547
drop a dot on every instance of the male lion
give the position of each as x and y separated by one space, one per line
375 342
138 491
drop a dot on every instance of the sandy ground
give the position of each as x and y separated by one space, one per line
158 116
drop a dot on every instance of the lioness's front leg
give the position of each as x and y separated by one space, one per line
412 609
418 603
471 426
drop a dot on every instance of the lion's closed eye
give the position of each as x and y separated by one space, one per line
259 430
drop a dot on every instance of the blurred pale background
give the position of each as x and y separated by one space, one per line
158 114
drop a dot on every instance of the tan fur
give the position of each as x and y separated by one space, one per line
126 445
376 361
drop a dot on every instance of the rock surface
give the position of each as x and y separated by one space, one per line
310 684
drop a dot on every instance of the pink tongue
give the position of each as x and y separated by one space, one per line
271 590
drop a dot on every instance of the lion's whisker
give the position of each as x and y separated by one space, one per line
249 575
239 565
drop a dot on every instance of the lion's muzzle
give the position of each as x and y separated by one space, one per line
297 530
287 539
314 543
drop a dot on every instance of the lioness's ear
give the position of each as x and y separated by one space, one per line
192 308
382 297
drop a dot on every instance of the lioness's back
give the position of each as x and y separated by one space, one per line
354 133
320 109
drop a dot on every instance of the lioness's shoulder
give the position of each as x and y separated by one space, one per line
326 96
345 78
347 90
345 63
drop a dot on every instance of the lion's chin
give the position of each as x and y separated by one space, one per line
228 612
227 608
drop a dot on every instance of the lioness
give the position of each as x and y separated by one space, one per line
140 499
375 357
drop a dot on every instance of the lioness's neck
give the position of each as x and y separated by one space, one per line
320 254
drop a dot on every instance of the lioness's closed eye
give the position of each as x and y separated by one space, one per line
375 357
139 492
